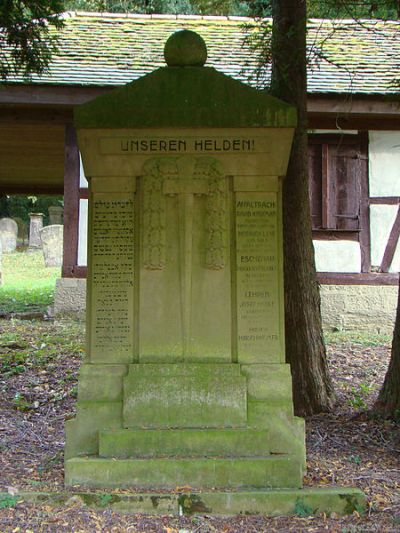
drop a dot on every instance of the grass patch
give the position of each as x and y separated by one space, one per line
363 338
27 284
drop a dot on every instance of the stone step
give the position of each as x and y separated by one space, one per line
142 443
268 472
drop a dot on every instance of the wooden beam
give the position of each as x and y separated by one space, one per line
350 122
34 115
326 189
385 200
64 95
70 95
329 278
335 235
353 105
391 244
83 193
71 201
365 233
79 272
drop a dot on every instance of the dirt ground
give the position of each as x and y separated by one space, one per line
38 368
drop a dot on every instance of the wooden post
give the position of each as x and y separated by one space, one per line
71 201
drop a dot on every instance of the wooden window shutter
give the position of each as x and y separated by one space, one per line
344 187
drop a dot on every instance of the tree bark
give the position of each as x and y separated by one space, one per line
388 402
305 348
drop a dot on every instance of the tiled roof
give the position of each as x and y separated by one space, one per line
110 50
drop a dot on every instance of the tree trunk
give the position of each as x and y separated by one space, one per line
305 349
388 403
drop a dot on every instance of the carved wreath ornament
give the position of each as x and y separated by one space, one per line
189 175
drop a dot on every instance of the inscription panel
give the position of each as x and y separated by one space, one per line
258 277
112 277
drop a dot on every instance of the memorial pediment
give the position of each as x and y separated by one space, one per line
189 97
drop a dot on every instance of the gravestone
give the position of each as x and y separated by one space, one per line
185 381
8 234
1 263
56 214
52 245
35 225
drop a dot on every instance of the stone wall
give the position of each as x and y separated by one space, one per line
344 307
70 297
359 307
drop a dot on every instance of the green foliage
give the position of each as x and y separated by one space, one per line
336 9
26 40
356 459
302 509
362 9
20 403
20 206
6 501
359 396
105 499
184 7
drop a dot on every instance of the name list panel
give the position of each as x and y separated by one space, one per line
258 277
112 278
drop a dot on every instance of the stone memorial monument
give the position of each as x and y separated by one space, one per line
52 245
185 381
8 234
35 225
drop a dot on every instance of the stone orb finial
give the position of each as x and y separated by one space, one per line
185 48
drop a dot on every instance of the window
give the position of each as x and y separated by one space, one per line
335 172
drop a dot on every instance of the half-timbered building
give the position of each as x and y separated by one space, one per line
354 141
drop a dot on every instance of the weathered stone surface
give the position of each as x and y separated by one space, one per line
142 443
8 234
52 245
184 395
1 263
327 500
359 308
35 225
56 214
70 297
82 433
185 49
269 472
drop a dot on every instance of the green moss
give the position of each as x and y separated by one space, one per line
352 503
192 504
185 97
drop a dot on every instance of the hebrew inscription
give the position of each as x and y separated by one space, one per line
112 277
257 277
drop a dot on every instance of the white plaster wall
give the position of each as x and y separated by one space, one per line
381 220
82 180
384 163
82 238
337 256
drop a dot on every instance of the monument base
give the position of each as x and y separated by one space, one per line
204 426
278 502
272 471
